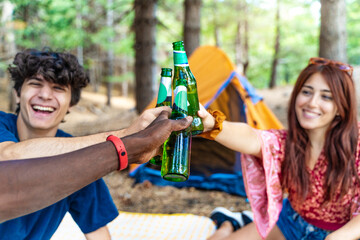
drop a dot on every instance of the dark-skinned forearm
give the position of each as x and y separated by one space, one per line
32 184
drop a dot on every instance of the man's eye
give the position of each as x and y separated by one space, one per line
59 88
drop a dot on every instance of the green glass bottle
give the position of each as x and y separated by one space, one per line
177 148
163 99
181 65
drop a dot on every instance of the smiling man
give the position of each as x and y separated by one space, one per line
47 84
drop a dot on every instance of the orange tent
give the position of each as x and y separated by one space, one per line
219 87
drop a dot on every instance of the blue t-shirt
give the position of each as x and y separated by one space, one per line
91 207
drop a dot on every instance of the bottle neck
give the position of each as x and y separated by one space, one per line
166 82
165 92
180 58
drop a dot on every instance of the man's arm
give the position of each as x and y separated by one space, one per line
43 147
31 184
99 234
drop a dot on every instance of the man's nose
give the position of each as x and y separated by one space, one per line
46 92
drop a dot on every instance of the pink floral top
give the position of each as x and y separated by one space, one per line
262 182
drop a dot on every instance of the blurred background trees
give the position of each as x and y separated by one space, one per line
124 43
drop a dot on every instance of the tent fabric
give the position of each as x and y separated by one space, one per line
219 87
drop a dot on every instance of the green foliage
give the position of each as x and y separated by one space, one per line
56 23
353 26
298 38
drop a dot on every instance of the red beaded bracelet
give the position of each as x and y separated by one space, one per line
120 148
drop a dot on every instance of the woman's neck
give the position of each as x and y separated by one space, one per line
317 141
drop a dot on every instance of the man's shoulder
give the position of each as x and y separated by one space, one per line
61 133
7 116
7 119
8 128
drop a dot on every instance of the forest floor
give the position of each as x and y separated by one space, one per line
92 115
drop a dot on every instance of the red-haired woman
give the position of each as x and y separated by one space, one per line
302 183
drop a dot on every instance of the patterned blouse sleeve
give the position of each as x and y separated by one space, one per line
355 206
262 180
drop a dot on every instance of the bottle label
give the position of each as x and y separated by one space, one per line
180 59
164 89
180 94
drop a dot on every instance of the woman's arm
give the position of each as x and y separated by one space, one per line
350 231
237 136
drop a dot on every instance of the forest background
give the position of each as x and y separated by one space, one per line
124 43
269 40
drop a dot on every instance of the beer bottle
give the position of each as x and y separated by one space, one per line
181 65
177 148
163 99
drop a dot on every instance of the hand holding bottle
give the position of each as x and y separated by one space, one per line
145 144
207 119
147 117
177 148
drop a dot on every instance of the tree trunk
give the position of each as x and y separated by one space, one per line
192 25
246 39
333 30
8 48
272 83
110 52
241 40
145 55
239 48
80 50
216 25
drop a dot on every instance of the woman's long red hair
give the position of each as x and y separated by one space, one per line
341 137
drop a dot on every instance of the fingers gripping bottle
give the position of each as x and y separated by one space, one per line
164 99
181 65
177 148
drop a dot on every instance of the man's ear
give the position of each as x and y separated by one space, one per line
17 98
69 109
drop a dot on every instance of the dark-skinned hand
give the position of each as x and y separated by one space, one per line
143 145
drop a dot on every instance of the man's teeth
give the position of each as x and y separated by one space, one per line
45 109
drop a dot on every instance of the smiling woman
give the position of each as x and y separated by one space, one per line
315 162
315 108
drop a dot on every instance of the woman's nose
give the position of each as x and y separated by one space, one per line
314 100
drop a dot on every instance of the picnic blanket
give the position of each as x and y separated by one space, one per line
145 226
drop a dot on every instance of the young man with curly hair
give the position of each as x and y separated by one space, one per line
47 84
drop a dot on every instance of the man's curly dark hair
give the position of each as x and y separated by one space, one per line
56 67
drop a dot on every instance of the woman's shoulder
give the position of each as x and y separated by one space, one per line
279 134
273 137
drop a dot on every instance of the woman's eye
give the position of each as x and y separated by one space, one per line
305 92
327 97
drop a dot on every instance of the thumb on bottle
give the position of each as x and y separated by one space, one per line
181 124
